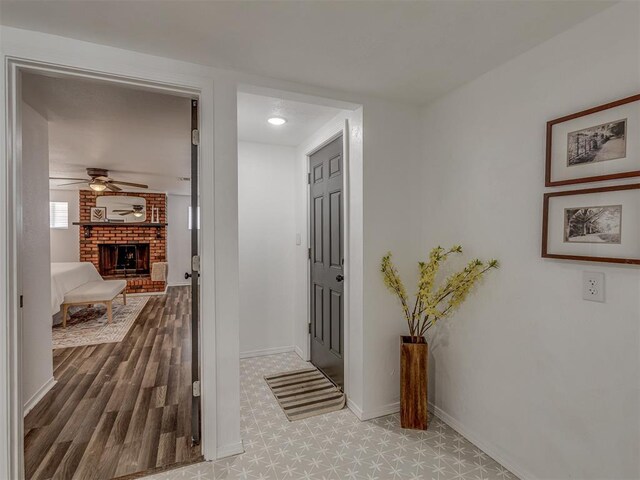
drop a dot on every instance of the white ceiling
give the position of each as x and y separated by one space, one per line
303 119
410 51
139 136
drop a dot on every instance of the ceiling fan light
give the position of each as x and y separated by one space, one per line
137 214
97 186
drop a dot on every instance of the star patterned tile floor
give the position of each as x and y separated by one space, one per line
335 446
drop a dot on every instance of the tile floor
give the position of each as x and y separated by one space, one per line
336 445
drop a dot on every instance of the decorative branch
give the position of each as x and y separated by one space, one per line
431 306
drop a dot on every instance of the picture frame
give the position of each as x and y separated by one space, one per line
594 224
98 214
595 144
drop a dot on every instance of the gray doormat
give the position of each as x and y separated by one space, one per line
305 393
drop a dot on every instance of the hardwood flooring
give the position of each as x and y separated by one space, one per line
118 408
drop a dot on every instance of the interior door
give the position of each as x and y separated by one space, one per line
195 279
327 260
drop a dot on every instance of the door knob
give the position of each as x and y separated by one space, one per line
339 278
187 275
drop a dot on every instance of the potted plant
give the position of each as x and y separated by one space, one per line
432 303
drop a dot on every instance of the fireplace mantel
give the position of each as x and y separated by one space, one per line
88 226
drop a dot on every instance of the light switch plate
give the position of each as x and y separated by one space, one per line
593 286
298 239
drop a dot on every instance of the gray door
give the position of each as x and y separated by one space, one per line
327 261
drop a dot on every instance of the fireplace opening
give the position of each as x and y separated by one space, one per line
123 260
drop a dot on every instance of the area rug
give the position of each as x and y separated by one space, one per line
305 393
89 326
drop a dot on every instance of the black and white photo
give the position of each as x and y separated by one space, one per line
600 224
600 143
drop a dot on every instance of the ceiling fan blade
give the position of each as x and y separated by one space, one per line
72 183
113 188
69 178
126 213
129 184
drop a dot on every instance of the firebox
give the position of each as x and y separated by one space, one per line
123 259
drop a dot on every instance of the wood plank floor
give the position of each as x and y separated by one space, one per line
118 408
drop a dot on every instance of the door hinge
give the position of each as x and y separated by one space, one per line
196 388
21 301
195 263
308 179
195 137
309 253
309 328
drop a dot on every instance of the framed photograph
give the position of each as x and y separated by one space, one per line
98 214
601 143
593 224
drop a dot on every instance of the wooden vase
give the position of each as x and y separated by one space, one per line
413 382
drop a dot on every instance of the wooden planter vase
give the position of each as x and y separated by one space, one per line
413 382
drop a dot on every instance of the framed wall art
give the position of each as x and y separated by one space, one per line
98 214
594 224
601 143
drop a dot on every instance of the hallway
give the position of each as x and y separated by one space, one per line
336 446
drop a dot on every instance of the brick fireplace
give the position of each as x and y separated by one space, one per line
129 250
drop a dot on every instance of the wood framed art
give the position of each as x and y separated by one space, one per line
593 224
600 143
98 214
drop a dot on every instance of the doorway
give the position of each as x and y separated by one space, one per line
131 404
326 254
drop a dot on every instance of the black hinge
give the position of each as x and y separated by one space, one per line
21 301
308 178
309 253
309 328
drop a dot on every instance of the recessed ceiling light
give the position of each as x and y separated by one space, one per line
277 121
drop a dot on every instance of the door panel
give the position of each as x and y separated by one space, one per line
327 261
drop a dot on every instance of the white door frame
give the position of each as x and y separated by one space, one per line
330 137
11 411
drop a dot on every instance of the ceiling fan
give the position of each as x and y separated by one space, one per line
99 181
136 210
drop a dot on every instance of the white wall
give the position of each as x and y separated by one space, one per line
178 239
267 243
37 358
543 380
65 243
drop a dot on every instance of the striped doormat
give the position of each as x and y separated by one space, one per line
305 393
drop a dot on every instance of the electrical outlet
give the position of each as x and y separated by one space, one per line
593 286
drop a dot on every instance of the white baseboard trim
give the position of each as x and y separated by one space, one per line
229 450
380 411
36 397
179 284
357 411
266 351
300 353
489 448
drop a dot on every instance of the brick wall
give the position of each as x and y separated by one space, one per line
132 233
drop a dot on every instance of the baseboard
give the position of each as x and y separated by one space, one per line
179 284
229 450
266 351
489 448
39 395
382 411
357 411
300 353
